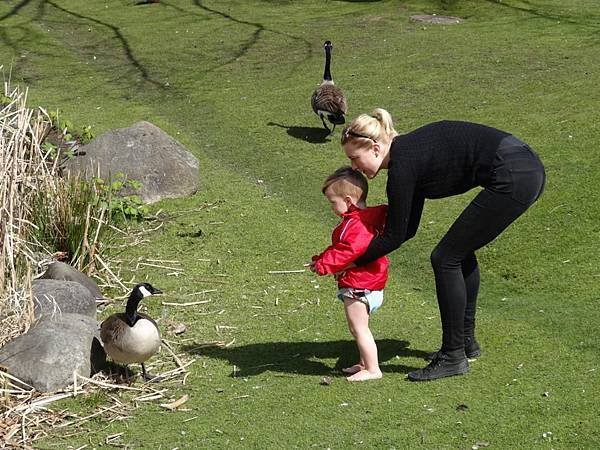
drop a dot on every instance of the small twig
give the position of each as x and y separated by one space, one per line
176 404
44 401
109 385
81 419
160 266
175 357
169 261
286 271
201 292
204 280
151 396
186 304
110 271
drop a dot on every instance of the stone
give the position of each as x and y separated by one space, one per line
54 347
51 297
61 271
144 153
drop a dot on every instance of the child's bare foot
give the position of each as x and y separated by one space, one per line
365 375
353 369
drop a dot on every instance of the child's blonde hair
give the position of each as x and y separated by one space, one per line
347 181
376 126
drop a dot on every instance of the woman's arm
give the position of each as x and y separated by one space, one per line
405 206
415 215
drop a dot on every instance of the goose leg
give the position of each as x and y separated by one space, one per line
128 378
324 124
333 129
148 377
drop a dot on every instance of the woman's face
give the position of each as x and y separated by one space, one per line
366 159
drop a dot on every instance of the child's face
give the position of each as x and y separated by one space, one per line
339 203
364 159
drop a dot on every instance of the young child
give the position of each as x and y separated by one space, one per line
360 288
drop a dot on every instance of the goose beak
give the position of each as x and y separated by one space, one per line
156 291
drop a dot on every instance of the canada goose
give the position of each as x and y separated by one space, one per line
328 100
132 337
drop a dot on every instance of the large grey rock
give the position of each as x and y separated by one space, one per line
51 297
46 356
142 152
61 271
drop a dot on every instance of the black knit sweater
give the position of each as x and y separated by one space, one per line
435 161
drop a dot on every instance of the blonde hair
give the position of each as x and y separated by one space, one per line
347 181
376 126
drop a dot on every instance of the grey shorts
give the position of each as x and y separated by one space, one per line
373 299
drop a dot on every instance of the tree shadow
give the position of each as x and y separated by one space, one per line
314 135
303 357
253 39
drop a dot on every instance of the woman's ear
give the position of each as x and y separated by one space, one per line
376 148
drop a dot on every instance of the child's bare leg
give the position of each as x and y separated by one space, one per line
358 321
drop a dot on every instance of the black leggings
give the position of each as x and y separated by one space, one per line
517 181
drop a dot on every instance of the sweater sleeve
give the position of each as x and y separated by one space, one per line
405 206
352 243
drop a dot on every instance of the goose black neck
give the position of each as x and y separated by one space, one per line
327 73
131 308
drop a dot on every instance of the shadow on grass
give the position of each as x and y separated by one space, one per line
314 135
303 357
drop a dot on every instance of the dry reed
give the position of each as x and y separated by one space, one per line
42 214
24 169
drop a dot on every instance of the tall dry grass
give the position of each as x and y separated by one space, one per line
41 213
23 170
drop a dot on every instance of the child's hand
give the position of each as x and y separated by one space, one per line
311 266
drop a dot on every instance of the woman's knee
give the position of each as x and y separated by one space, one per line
443 258
438 257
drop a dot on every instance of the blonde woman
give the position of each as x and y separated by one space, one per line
440 160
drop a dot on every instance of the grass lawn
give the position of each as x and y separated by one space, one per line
232 81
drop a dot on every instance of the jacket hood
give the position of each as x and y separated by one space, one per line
373 215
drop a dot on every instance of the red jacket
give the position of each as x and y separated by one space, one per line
350 239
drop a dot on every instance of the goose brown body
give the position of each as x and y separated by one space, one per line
328 100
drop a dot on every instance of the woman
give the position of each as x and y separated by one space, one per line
440 160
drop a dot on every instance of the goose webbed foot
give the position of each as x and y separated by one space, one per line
149 377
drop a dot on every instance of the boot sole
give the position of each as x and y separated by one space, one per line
461 372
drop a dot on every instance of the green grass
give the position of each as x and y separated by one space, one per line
232 81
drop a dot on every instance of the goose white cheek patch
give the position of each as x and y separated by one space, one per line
145 292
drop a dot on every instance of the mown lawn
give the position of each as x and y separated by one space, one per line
232 81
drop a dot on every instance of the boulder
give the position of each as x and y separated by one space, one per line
144 153
61 271
52 297
46 356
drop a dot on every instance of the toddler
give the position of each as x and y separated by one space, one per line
360 288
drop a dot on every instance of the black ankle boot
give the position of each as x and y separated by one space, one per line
442 365
472 349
